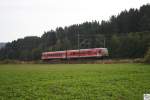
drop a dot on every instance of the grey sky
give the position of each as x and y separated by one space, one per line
19 18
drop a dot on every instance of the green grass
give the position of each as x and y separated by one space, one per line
74 81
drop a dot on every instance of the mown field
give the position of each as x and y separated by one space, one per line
74 81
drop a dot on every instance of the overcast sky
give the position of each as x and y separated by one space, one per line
19 18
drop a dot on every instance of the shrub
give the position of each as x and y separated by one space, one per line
147 56
8 61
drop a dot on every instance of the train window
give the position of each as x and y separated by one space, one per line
57 54
99 51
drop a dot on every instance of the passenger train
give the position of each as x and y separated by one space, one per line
75 54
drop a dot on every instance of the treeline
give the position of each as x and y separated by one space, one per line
2 45
126 35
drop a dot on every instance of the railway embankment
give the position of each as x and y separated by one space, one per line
76 61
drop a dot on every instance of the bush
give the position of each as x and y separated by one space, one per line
147 56
8 61
138 60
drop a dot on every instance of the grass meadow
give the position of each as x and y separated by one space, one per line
74 81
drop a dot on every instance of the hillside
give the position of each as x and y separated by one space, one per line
127 35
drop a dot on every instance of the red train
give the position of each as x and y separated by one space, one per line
70 54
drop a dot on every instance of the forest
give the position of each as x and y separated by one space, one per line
126 35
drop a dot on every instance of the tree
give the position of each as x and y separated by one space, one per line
48 39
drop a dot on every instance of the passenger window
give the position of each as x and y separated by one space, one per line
99 51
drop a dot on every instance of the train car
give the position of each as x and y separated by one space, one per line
53 55
81 53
